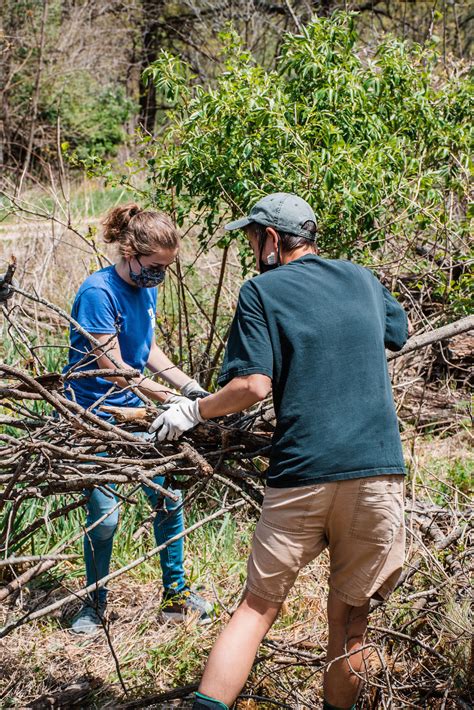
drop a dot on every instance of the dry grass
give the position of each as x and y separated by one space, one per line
44 658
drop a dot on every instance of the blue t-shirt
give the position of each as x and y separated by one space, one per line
318 328
105 303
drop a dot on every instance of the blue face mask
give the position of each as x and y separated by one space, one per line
148 276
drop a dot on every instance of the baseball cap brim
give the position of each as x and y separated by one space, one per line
238 224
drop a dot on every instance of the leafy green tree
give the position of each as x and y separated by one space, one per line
378 142
92 118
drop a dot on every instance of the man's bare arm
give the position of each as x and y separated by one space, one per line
239 394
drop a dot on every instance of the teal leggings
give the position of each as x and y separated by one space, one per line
99 541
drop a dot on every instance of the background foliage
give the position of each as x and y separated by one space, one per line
54 53
379 144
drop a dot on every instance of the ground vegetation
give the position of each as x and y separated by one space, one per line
375 131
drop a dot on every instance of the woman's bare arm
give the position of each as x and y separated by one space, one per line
149 387
160 364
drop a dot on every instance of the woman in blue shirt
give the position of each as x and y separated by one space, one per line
117 305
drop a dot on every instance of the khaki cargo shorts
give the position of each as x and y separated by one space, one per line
360 520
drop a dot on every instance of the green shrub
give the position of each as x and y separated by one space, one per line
92 117
378 143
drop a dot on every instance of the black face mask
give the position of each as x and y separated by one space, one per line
148 276
268 266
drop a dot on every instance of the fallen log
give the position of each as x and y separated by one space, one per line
463 325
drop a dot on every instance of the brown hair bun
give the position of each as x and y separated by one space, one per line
139 231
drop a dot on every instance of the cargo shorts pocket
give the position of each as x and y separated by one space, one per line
378 510
287 509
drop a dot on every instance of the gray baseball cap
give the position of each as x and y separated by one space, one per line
283 211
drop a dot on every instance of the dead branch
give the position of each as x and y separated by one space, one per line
8 628
463 325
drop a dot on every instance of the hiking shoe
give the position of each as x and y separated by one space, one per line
176 605
88 619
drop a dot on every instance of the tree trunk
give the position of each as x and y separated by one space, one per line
35 97
152 11
11 24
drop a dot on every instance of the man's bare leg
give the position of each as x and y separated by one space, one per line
234 652
347 626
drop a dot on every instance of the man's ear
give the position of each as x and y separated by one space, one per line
273 234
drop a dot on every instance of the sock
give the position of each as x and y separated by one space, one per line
328 706
204 702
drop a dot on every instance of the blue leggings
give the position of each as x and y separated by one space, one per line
167 523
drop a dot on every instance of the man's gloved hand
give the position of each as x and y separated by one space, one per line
177 418
174 398
5 290
193 390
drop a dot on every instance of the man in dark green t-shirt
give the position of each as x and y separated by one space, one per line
314 331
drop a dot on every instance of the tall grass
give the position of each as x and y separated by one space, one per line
88 199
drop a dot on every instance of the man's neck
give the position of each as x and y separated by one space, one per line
286 257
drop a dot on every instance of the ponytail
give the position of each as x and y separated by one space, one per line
117 221
139 231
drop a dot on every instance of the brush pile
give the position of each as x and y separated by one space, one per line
53 450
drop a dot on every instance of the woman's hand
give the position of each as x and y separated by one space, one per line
193 390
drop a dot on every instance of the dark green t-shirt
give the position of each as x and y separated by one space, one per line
319 328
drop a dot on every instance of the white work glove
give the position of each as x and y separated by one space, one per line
177 418
193 390
173 399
